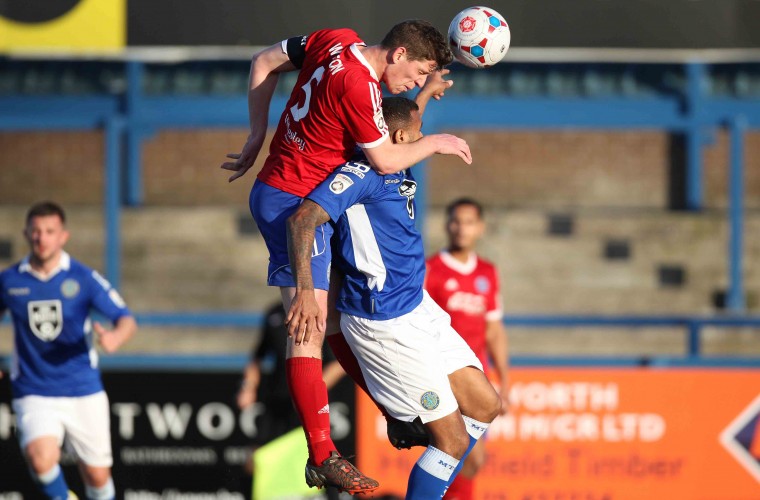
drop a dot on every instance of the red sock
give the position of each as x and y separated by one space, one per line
461 489
347 360
310 398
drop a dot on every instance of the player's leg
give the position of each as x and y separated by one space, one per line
326 466
435 469
88 430
402 367
307 388
477 400
463 487
400 434
271 208
40 436
97 482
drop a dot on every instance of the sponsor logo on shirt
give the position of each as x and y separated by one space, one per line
45 318
340 183
468 303
392 181
70 288
291 136
358 169
16 292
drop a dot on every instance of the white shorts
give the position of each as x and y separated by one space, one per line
83 421
406 360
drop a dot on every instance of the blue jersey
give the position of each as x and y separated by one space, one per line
53 352
376 243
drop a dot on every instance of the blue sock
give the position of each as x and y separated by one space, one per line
53 484
475 430
430 475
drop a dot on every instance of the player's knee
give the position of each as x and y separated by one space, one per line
96 476
42 459
454 444
493 408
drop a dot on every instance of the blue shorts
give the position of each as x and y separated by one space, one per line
271 208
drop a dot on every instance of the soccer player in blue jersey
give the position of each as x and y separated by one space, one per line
57 391
414 363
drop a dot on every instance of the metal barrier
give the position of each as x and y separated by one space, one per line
692 325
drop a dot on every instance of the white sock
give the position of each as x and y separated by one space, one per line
474 428
105 492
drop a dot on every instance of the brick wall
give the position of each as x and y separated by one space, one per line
64 166
552 169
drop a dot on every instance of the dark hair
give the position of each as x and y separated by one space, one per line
397 112
44 209
464 202
422 41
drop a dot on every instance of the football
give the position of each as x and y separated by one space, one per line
479 37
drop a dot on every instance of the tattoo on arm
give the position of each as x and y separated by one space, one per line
301 228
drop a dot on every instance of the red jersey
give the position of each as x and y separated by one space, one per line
335 106
469 292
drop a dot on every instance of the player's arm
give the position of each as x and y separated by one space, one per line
266 66
304 314
111 340
434 87
498 349
106 300
389 158
249 384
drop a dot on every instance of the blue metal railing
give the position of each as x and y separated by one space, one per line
692 325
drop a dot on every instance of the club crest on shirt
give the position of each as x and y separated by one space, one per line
340 183
70 288
430 400
45 318
482 284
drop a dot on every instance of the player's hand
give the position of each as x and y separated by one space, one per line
435 85
447 144
106 338
304 317
243 160
246 396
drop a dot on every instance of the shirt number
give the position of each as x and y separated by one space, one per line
299 112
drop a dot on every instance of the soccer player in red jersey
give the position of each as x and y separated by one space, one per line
467 287
334 107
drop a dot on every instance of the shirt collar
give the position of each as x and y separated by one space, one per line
457 265
354 48
64 264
